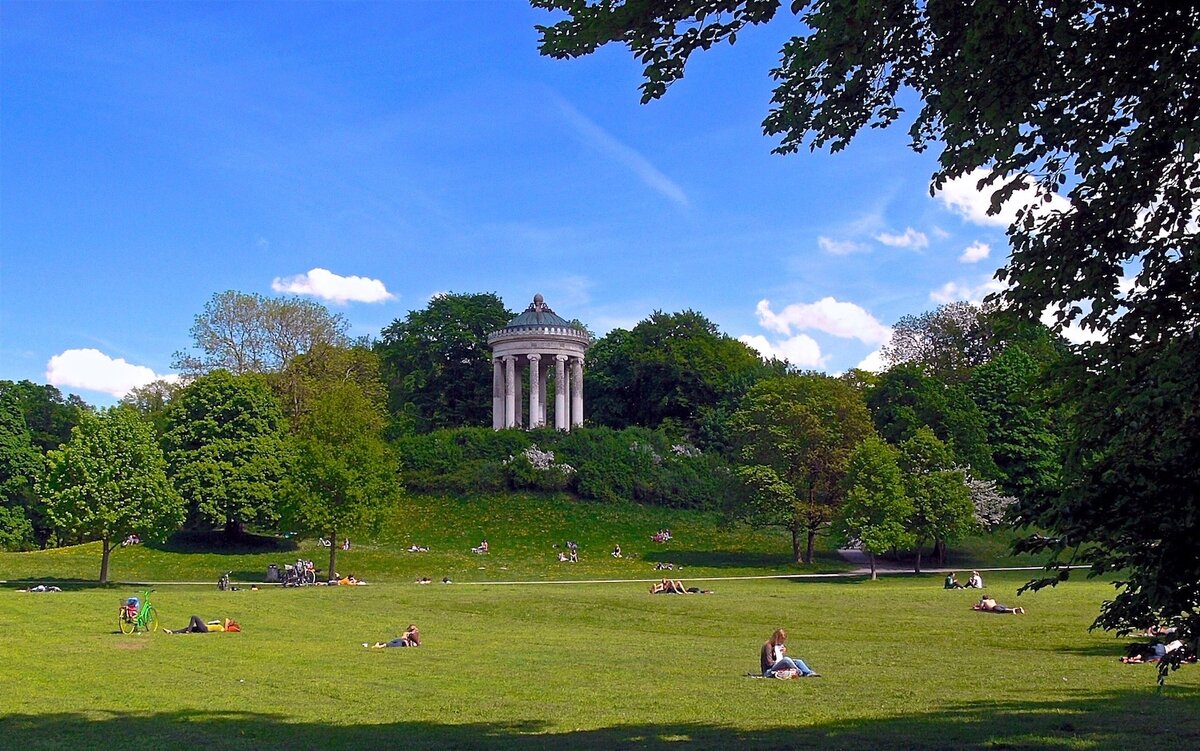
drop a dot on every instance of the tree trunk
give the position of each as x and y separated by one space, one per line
796 545
233 530
918 564
941 552
104 560
808 552
872 556
333 549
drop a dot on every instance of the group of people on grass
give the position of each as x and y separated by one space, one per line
952 582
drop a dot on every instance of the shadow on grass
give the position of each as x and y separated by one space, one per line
743 559
67 585
1116 720
206 541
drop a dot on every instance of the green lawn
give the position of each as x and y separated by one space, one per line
591 666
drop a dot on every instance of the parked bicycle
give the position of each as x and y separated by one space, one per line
138 614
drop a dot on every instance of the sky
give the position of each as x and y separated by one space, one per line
373 155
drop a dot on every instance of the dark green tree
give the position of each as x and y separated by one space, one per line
1027 451
942 508
49 415
21 467
345 474
794 436
110 481
227 450
877 508
151 402
437 364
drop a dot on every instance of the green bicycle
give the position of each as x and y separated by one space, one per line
138 615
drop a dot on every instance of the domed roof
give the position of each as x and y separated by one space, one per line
538 314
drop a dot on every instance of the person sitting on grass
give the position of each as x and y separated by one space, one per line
952 581
1153 653
976 581
989 605
197 626
774 662
411 638
616 553
669 587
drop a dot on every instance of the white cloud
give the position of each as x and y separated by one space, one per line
873 362
800 350
604 141
842 319
939 233
840 247
961 196
956 292
911 238
975 252
338 289
93 370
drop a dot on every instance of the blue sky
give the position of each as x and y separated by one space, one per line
374 155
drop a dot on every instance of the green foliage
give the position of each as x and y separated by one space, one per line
942 509
671 369
16 533
48 415
307 376
437 364
227 450
877 507
21 467
248 333
906 400
1025 448
344 474
794 436
152 400
110 481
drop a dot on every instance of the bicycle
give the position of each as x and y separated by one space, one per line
134 615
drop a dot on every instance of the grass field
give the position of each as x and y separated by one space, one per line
549 664
594 666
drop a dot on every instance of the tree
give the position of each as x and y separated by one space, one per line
437 364
1097 98
948 342
227 450
941 502
345 474
21 467
877 507
110 481
49 415
152 400
326 366
1026 450
676 369
904 400
794 436
248 333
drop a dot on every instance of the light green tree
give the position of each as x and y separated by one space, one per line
877 507
110 481
344 474
942 507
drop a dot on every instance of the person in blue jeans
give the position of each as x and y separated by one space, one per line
772 658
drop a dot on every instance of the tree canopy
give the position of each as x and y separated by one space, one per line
437 363
110 481
877 508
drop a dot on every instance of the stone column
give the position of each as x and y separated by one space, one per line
576 392
510 380
519 415
497 394
535 391
543 376
560 392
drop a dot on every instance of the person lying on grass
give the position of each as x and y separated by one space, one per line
776 664
197 626
989 605
669 587
411 638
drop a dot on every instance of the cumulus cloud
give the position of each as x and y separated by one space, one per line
961 196
910 238
800 350
956 292
841 319
873 362
975 252
840 247
329 286
93 370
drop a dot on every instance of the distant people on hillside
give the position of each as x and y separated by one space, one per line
976 581
574 557
411 638
346 544
424 580
418 548
661 566
989 605
562 557
616 553
662 535
131 540
775 663
952 581
480 549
